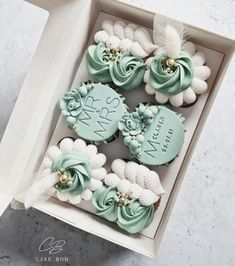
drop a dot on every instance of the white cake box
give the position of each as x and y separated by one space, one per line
36 121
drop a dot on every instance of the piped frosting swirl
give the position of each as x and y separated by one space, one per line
171 76
74 172
127 71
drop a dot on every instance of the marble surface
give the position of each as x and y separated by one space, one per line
201 230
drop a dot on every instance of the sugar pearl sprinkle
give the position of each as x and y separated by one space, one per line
113 53
170 65
123 198
64 179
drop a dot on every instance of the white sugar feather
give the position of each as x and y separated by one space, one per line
172 42
189 48
47 162
43 186
46 171
160 23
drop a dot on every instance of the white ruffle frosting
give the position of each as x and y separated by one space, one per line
198 85
126 37
138 181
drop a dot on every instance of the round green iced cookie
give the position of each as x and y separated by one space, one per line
154 134
93 111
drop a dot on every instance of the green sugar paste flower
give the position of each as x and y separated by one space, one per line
98 61
71 104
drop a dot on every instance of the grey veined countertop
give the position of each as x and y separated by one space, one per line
201 230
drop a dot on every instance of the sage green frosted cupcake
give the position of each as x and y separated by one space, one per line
130 216
153 133
110 65
177 72
93 111
130 196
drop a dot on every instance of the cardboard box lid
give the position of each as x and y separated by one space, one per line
45 72
26 134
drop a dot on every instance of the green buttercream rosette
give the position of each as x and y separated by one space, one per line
105 202
127 71
97 61
77 168
174 82
132 217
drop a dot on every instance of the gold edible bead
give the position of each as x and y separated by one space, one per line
123 198
64 178
170 62
168 70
